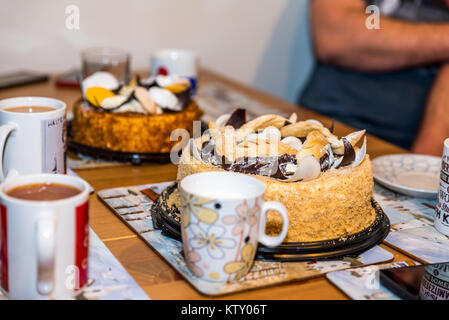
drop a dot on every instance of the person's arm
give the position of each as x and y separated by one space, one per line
341 38
435 125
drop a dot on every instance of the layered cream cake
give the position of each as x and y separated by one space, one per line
324 181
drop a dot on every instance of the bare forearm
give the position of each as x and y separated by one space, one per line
341 38
435 124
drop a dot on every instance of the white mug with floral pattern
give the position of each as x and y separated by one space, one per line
223 219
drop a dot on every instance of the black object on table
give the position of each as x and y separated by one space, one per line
167 218
135 158
20 78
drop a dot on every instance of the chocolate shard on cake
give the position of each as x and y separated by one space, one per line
237 118
349 155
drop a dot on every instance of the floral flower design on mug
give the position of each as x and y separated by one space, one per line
245 215
213 239
195 205
192 258
241 267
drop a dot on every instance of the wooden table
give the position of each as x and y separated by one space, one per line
150 271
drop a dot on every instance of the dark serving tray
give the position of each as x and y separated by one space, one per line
135 158
167 219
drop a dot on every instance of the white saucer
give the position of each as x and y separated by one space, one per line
410 174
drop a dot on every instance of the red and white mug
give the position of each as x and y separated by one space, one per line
43 244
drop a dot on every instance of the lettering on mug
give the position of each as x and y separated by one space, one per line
445 167
55 122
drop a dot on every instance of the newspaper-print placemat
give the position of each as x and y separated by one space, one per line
216 99
133 207
108 279
213 98
363 283
412 231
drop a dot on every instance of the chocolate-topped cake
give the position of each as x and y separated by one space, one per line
137 117
324 181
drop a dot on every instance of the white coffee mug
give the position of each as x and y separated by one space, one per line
223 219
43 244
441 220
32 142
435 282
178 62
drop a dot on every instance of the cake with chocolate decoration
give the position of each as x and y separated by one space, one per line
325 182
137 117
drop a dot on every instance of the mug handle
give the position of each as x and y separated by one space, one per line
271 241
5 130
45 254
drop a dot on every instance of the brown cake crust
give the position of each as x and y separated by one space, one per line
335 205
130 132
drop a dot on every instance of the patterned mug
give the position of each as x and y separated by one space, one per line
223 219
441 220
435 282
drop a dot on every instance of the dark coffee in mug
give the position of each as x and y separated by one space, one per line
29 109
43 192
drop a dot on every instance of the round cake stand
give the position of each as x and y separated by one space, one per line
135 158
351 246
